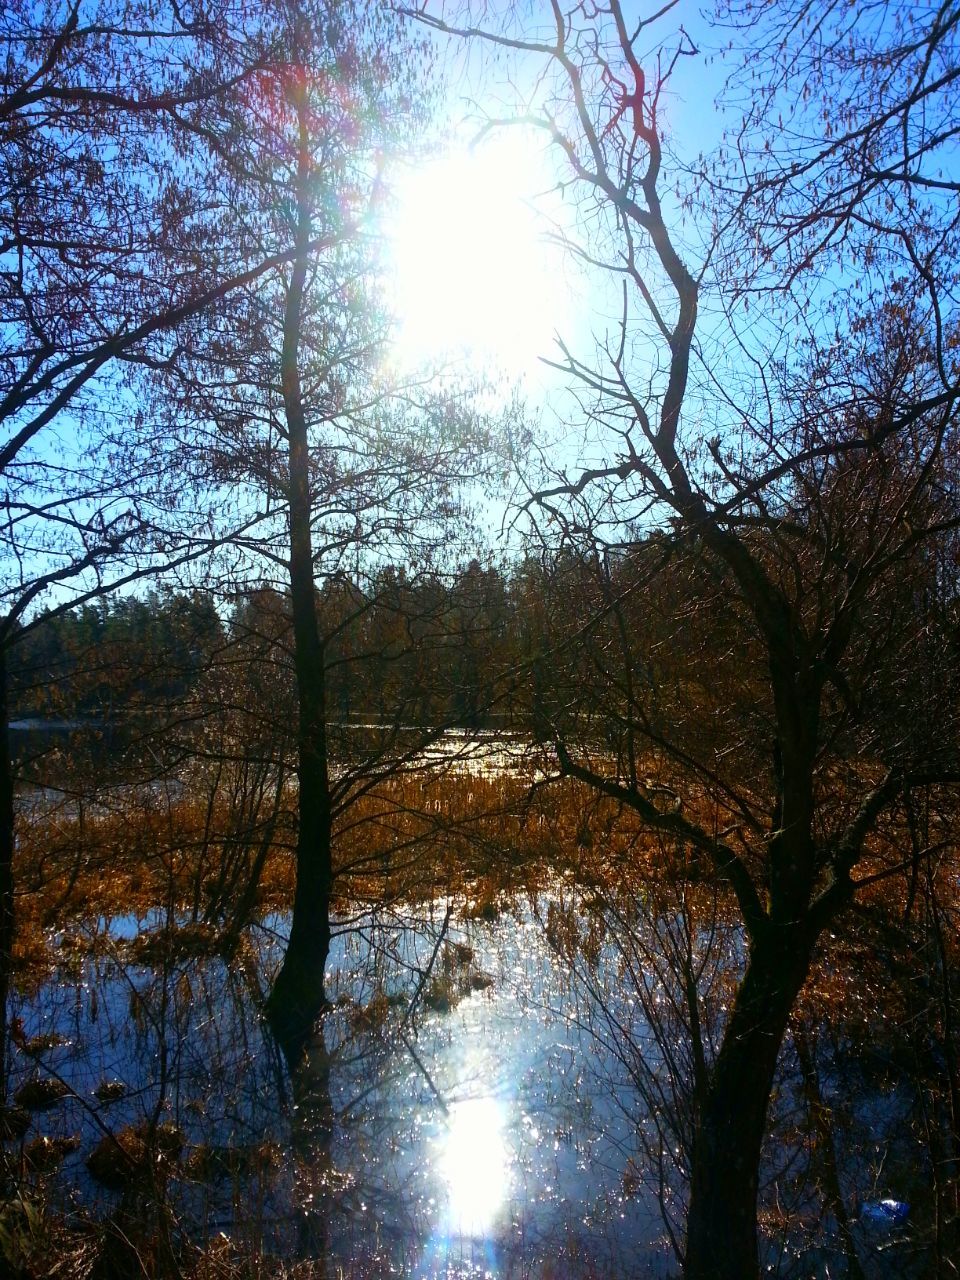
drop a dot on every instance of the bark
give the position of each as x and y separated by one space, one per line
6 867
722 1216
298 995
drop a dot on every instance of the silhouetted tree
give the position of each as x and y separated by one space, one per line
105 114
288 404
800 510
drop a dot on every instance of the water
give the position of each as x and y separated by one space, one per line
507 1097
502 1098
488 1138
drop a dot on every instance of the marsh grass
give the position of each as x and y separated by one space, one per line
414 837
485 842
481 840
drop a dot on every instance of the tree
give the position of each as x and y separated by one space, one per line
290 407
809 513
840 150
106 111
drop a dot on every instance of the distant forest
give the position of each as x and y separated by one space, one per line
431 650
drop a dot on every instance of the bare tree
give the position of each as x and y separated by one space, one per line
105 111
808 694
289 405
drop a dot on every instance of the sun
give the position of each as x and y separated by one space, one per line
475 275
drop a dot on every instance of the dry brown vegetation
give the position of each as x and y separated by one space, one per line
474 838
481 841
414 837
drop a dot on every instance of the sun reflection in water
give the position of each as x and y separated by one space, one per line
474 1165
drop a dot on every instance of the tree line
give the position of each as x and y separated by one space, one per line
428 651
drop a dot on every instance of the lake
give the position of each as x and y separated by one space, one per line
504 1125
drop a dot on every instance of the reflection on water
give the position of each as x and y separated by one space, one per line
474 1165
505 1136
468 1138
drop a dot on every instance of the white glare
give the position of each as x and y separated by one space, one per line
474 1165
473 273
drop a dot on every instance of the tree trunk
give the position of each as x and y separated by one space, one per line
298 995
722 1217
6 867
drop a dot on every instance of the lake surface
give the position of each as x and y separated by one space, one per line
476 1107
488 1136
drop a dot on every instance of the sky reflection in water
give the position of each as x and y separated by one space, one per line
520 1160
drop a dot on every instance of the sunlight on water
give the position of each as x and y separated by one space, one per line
474 1165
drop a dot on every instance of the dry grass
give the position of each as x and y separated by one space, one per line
475 839
413 838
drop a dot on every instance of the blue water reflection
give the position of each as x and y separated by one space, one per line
482 1138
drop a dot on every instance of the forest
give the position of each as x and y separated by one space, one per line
479 639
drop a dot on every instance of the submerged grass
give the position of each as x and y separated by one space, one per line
477 839
480 841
